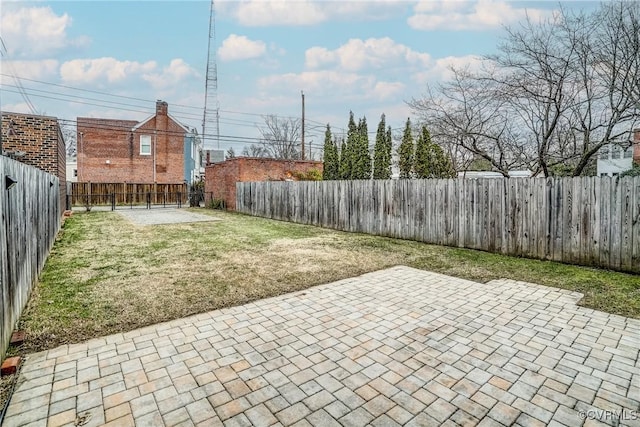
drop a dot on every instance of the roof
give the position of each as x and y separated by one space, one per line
40 116
140 124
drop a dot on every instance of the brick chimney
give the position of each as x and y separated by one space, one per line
162 140
162 108
636 146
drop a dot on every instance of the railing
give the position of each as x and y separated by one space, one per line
146 200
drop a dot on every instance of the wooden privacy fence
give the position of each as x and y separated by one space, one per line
30 214
98 193
587 220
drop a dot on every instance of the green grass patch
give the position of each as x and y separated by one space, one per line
106 275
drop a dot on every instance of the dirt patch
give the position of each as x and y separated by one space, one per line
6 387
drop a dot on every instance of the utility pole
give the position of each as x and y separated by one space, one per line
302 124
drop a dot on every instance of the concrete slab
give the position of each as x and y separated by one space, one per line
394 347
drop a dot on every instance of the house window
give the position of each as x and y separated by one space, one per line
145 145
604 152
75 173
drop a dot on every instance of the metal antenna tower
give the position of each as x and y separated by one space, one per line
211 119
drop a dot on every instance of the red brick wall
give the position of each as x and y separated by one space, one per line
40 138
636 146
221 178
109 150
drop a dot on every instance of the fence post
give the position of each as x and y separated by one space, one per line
148 200
179 199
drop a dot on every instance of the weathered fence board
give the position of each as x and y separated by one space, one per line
30 219
587 220
99 193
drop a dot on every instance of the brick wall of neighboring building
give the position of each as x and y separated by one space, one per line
40 139
221 178
109 150
636 146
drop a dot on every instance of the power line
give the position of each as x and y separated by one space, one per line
4 53
98 92
146 101
102 124
57 96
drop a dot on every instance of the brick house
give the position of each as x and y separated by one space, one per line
158 149
636 146
37 141
221 178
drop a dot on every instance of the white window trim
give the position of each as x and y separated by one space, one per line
142 153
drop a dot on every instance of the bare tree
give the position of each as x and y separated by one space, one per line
70 139
553 96
465 112
255 150
281 137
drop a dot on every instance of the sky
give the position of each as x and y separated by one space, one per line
115 59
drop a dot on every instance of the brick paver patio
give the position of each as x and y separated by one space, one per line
394 347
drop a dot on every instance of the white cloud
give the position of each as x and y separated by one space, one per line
259 13
175 72
111 69
236 48
387 90
29 69
36 30
461 15
19 107
440 69
358 54
330 81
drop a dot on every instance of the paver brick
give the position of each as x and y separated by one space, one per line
432 350
143 405
117 412
260 415
293 413
318 400
200 410
441 410
504 414
356 418
378 405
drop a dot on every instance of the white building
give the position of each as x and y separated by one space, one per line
613 160
491 174
72 169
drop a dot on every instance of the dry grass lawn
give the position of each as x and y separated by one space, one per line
106 275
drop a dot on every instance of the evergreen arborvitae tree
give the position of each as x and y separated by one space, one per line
422 166
349 150
331 161
406 152
389 149
441 163
362 158
430 160
344 171
382 153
